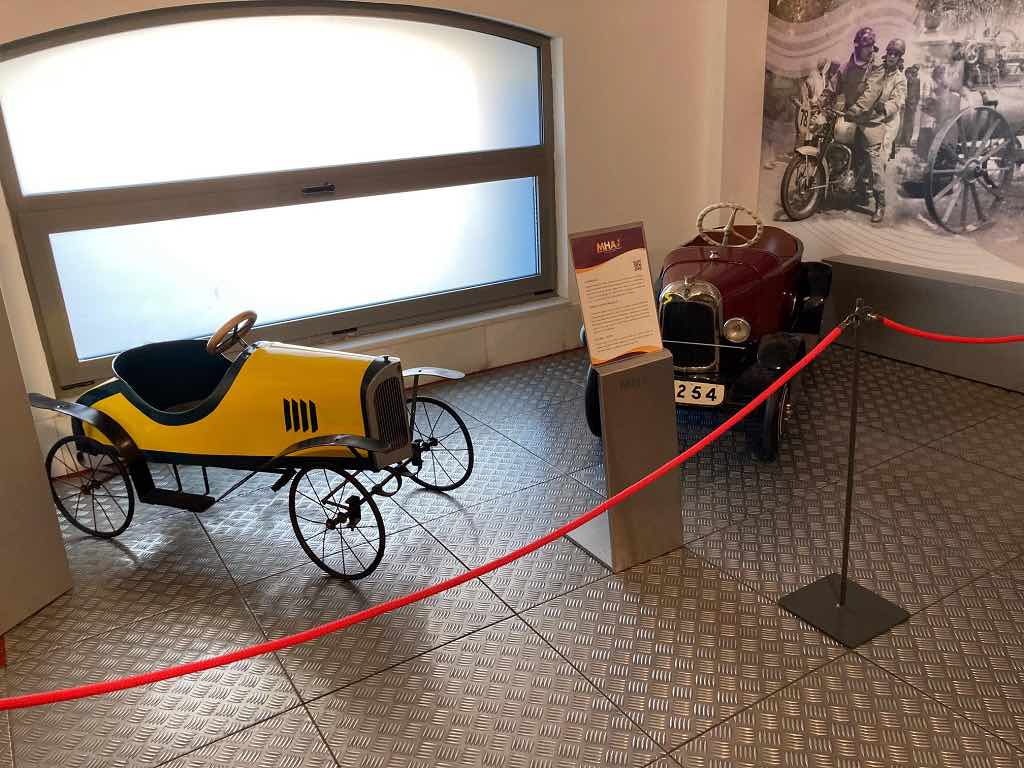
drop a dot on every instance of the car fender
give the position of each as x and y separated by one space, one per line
778 351
109 428
807 151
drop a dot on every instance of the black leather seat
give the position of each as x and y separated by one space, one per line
171 375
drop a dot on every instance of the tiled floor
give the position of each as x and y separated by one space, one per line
552 661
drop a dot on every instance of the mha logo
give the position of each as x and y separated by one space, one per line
605 246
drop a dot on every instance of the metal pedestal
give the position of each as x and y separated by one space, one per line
638 423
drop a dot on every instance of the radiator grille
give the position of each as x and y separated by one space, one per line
690 321
389 405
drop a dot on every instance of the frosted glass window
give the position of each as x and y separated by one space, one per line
130 285
234 96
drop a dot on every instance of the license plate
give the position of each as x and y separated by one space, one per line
699 393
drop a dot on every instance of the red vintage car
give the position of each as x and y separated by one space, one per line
733 304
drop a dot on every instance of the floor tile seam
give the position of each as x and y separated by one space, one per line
10 735
391 667
513 609
320 732
596 687
308 563
468 507
1002 472
511 614
119 627
669 750
291 681
505 367
741 580
483 417
134 525
545 601
520 445
974 580
262 632
814 671
601 493
725 527
750 585
917 366
1017 553
220 557
964 715
235 732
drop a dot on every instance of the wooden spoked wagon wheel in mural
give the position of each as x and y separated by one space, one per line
974 164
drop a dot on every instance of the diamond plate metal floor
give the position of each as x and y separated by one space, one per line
302 598
678 646
290 740
850 714
146 726
499 697
968 652
552 661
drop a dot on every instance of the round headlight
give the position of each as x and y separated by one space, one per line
736 330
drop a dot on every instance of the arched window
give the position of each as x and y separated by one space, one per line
332 166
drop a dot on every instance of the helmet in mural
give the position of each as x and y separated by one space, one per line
896 47
865 36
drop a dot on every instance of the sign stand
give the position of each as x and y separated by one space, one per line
638 427
836 605
636 394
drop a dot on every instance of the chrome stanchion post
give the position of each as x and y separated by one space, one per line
852 451
836 605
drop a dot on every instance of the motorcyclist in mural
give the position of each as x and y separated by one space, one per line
871 95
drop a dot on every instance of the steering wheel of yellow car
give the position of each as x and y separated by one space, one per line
229 334
728 232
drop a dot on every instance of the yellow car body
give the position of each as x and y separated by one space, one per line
271 397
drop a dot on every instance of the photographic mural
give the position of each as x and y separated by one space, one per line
893 130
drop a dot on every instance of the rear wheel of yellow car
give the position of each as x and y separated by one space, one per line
90 486
336 522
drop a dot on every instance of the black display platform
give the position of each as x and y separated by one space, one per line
863 617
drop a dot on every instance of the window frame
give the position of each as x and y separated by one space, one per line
35 217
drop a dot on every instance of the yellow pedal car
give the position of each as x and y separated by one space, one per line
318 418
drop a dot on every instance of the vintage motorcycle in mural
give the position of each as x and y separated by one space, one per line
823 169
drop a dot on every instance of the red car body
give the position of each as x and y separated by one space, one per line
764 296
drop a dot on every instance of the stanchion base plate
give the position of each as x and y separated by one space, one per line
864 616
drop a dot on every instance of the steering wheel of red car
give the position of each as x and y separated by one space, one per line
729 237
229 334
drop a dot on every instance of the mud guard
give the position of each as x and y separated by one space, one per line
126 448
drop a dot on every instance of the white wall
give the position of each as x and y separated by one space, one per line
644 87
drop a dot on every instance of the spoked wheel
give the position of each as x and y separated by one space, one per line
803 187
336 522
442 449
90 486
970 168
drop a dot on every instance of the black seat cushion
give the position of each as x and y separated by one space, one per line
171 375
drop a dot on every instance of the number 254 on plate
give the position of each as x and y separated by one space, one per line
699 393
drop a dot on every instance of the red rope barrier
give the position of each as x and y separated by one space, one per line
134 681
911 331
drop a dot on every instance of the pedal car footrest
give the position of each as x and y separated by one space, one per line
193 502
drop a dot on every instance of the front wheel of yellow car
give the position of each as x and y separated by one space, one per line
90 486
336 522
442 457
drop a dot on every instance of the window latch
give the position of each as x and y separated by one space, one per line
320 189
